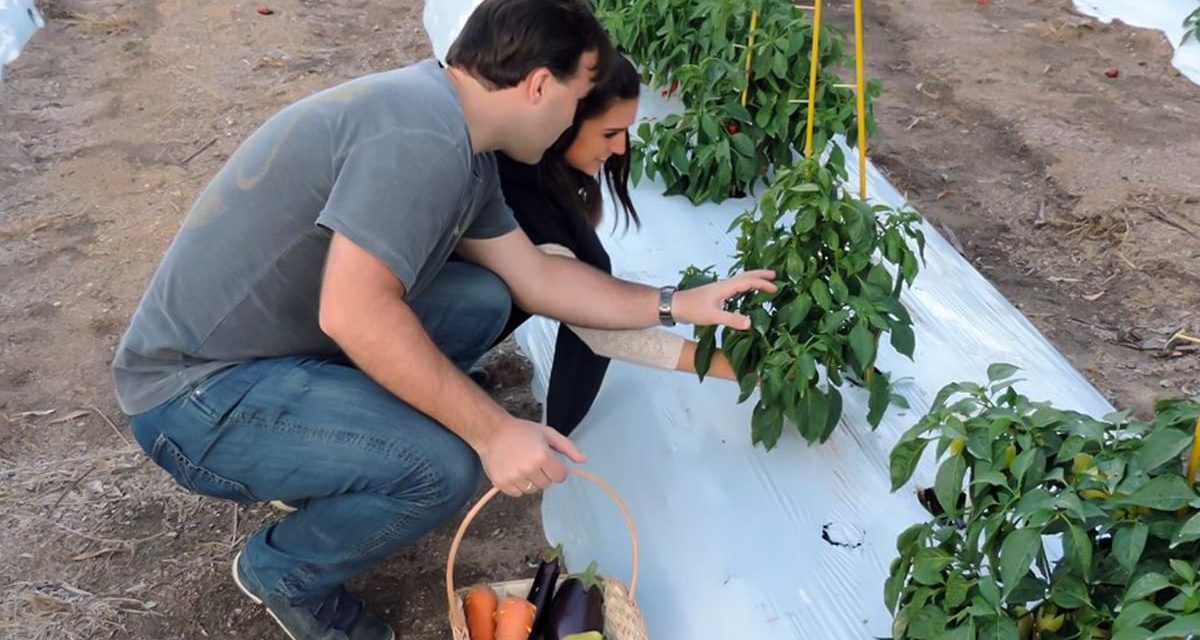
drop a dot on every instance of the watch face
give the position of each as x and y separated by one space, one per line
664 306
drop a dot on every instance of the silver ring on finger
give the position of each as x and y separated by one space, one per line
530 487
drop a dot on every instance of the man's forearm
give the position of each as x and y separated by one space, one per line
391 346
576 293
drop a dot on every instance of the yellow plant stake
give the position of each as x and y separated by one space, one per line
812 79
862 106
1194 461
750 55
861 90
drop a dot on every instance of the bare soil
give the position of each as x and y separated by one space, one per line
1078 195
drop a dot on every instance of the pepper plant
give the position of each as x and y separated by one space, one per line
718 148
1191 26
1019 480
836 298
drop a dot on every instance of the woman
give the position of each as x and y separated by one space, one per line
558 204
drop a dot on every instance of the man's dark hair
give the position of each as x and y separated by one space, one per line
504 40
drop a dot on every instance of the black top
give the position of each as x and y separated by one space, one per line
577 372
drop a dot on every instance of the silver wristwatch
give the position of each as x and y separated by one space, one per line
665 296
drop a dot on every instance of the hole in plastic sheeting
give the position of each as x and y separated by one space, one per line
837 537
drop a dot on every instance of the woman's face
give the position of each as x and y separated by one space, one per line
601 137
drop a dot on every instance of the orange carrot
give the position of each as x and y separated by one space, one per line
480 607
514 618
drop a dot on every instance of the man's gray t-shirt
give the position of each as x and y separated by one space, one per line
385 160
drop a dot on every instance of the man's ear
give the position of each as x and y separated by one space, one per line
536 83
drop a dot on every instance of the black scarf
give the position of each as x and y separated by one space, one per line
577 372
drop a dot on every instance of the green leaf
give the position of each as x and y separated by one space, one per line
1030 588
1184 627
989 477
929 564
1145 585
1069 502
910 540
797 310
904 459
948 484
807 366
1036 471
878 402
1189 532
1035 500
1163 446
1178 604
900 622
1069 592
966 632
738 112
929 622
1131 633
1078 547
1001 371
990 591
903 340
766 425
999 628
979 443
1183 570
763 118
1133 615
837 286
909 267
835 413
895 582
1016 555
708 124
744 145
1071 447
820 293
780 65
1164 493
737 352
1128 544
957 588
862 343
705 347
817 413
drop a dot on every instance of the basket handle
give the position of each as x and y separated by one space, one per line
456 613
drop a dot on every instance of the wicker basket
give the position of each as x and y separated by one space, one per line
622 618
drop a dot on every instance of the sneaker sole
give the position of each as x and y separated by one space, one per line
257 600
241 587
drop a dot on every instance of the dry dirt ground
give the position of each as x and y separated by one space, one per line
1076 194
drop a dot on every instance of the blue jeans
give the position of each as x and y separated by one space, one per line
369 473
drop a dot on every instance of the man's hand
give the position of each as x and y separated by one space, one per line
363 310
519 457
705 305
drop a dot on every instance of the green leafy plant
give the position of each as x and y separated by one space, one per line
1191 25
1019 479
718 148
836 297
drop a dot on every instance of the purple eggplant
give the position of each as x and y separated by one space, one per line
541 593
578 607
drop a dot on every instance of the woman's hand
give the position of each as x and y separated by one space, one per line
705 305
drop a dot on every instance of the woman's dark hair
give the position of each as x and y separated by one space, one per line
568 188
504 40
